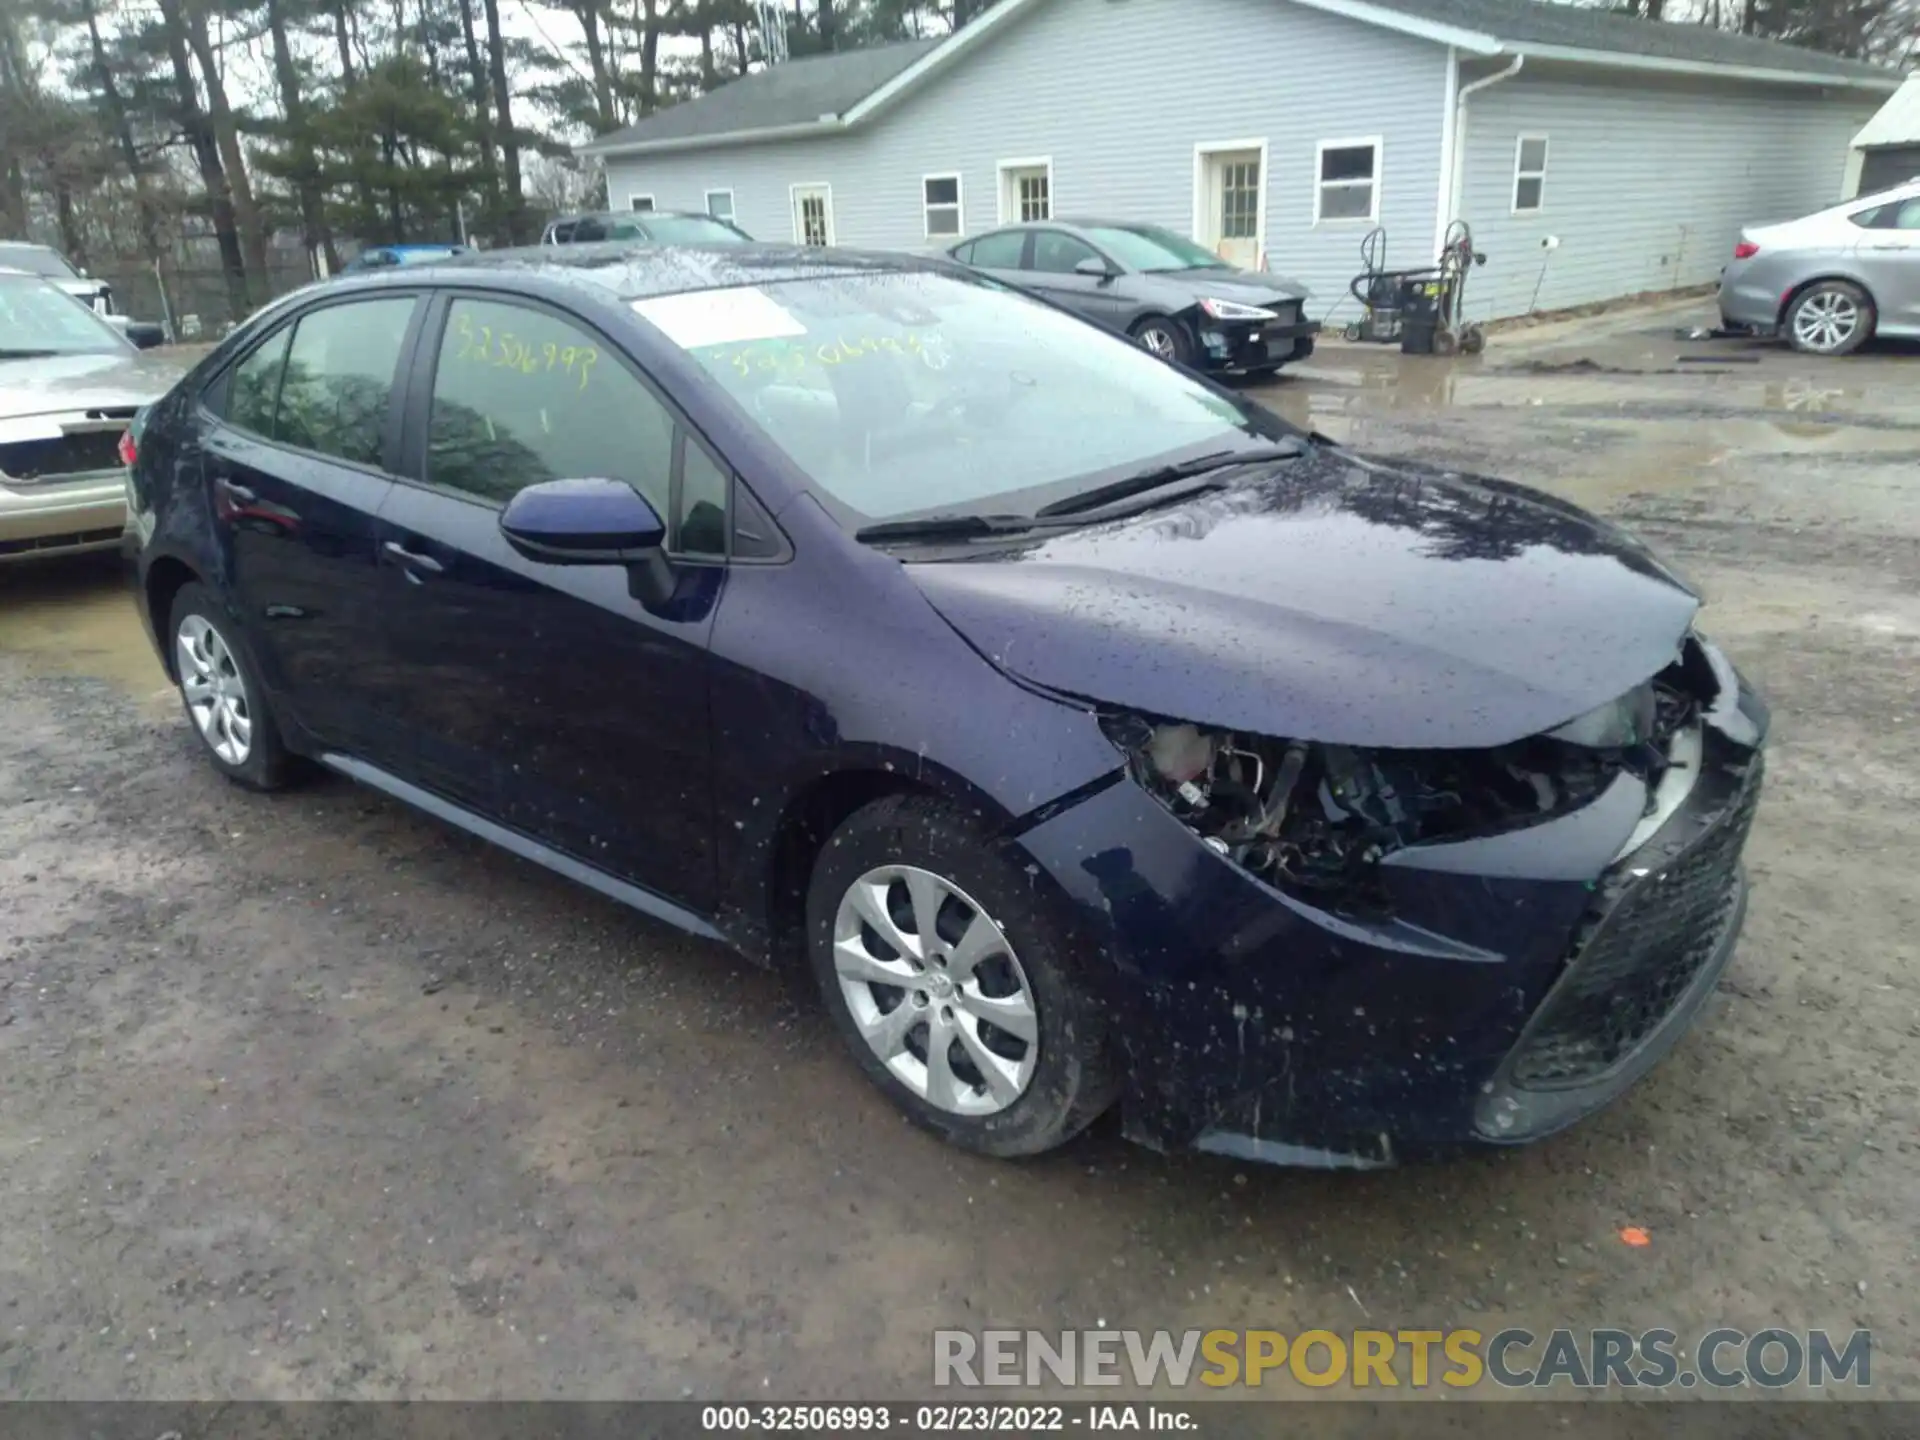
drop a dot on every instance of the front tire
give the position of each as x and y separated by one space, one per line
220 686
953 987
1162 336
1833 317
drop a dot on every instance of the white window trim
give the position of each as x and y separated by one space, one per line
1035 162
726 190
1546 155
1358 142
960 204
633 202
1201 153
793 208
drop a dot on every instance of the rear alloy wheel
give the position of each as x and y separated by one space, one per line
1830 318
950 983
223 696
1165 338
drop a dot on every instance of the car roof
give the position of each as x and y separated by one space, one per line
629 215
620 272
26 245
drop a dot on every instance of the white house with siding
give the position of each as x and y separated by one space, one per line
1886 152
1594 154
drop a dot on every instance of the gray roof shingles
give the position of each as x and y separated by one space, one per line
791 94
802 91
1583 27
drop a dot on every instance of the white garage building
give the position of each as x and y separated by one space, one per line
1594 154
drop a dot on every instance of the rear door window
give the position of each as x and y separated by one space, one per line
999 252
255 387
339 379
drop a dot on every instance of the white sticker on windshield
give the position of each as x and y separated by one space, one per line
719 317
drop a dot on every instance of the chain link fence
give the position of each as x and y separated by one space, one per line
188 292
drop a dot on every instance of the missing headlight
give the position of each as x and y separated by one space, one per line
1315 818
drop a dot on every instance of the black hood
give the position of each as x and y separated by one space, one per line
1338 599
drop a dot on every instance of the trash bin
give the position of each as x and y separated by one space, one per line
1419 319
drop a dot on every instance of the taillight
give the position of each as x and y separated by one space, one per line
129 451
1745 250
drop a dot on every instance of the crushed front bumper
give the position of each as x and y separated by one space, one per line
1240 347
1502 1002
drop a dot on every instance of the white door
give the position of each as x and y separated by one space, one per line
1026 194
1231 191
813 214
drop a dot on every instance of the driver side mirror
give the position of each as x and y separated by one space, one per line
1095 267
592 522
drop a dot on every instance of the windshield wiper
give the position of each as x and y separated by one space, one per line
26 354
944 527
1160 475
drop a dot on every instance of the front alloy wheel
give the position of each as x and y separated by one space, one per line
955 982
1164 338
936 990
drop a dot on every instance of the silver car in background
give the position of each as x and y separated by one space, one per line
51 265
1831 281
70 385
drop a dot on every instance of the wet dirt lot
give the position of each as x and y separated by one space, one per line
310 1096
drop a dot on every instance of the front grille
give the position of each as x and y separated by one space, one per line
1639 957
77 454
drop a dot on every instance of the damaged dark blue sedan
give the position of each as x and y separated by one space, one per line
1093 735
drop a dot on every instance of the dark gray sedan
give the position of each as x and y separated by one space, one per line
1177 298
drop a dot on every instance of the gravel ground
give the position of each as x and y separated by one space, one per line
308 1096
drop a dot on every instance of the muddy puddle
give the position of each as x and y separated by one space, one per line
77 617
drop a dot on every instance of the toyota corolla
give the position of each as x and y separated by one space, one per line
1092 734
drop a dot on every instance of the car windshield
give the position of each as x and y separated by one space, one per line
1156 251
36 260
912 394
426 254
692 230
38 319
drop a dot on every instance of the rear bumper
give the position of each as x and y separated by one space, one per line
1749 298
88 513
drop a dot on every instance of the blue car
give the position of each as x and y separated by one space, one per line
1090 733
386 257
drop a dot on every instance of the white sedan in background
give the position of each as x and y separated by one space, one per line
70 384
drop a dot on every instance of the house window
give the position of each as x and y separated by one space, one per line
1026 190
640 202
1529 173
940 198
1349 181
720 205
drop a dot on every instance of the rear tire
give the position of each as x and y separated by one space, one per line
1166 338
220 687
955 989
1831 317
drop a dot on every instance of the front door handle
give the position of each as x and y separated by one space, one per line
413 559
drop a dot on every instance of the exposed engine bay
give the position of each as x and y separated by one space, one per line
1316 819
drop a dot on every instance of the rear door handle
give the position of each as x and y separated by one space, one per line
413 559
237 492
